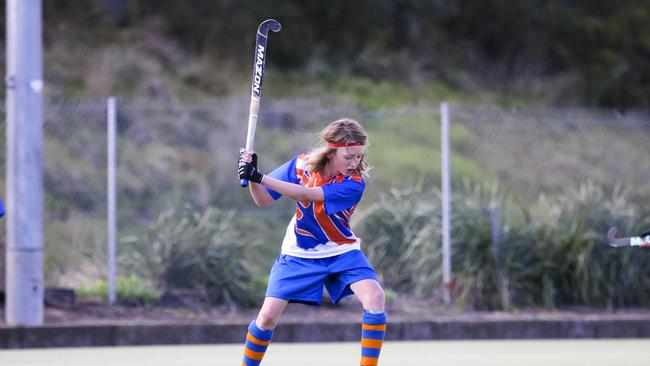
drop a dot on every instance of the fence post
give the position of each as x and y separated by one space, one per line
446 204
111 220
495 227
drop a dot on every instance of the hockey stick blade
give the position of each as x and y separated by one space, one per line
632 241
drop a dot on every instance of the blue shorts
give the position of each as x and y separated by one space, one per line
302 279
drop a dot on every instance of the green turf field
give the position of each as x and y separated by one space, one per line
438 353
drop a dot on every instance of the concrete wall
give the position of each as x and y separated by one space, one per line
122 335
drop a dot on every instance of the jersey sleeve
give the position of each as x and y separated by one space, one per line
343 195
285 172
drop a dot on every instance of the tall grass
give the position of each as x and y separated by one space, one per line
208 255
550 254
400 235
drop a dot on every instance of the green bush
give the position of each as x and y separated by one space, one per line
130 290
208 254
551 254
401 237
477 278
562 258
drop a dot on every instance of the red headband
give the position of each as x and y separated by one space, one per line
334 146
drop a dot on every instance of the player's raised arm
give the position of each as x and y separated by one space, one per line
248 170
294 191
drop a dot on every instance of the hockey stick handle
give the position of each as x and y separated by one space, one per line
258 77
250 135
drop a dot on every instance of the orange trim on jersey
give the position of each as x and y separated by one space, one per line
343 222
381 327
330 230
304 232
325 222
303 174
357 177
300 172
347 214
303 177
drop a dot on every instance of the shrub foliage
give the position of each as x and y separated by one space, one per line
206 254
552 254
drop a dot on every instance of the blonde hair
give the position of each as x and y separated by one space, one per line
342 131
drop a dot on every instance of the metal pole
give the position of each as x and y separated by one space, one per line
495 227
112 125
446 206
24 86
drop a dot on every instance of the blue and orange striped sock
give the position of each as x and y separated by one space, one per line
257 340
373 331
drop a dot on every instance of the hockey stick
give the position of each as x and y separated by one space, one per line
632 241
258 77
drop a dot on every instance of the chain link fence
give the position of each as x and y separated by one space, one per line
177 160
549 151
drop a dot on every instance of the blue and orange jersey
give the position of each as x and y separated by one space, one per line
320 229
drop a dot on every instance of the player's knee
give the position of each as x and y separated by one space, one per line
381 297
267 320
377 299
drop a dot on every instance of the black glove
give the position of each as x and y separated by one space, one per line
244 168
241 159
249 170
254 175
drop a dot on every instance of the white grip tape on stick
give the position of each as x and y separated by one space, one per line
250 137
